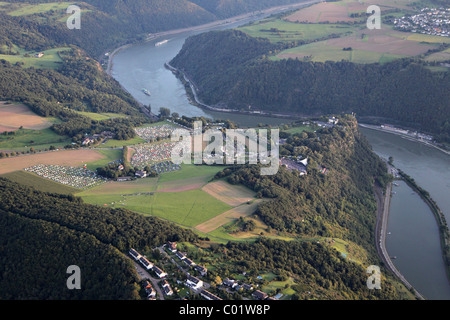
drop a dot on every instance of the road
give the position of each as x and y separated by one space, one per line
383 204
143 274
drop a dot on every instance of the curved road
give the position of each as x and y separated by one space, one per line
380 231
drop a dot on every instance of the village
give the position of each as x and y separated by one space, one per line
429 21
156 281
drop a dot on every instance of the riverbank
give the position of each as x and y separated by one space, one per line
405 136
223 22
383 207
444 233
191 92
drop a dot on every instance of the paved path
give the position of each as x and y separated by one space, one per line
380 230
143 274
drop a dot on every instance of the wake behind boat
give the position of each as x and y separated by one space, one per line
161 43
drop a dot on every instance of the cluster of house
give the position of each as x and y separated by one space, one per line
295 164
91 139
192 282
257 294
432 21
158 271
80 178
332 121
414 134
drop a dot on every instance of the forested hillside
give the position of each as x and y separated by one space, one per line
402 90
336 203
42 234
107 23
78 85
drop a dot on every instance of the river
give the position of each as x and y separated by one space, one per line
414 237
142 66
414 233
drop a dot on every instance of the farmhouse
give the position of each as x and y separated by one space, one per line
39 55
172 246
194 283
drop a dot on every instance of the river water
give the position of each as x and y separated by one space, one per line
414 238
414 233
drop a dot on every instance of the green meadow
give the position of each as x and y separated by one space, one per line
101 116
321 52
28 9
283 31
111 155
50 60
41 184
187 208
24 139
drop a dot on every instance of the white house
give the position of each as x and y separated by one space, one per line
194 283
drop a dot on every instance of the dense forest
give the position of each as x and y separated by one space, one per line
403 90
338 202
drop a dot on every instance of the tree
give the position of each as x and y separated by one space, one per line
164 112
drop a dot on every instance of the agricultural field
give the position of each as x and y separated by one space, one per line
186 197
284 31
39 183
72 158
187 208
330 27
110 155
50 59
233 195
24 139
367 46
341 11
14 116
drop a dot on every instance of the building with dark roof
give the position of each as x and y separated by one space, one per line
194 283
134 254
208 295
147 264
161 274
259 295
